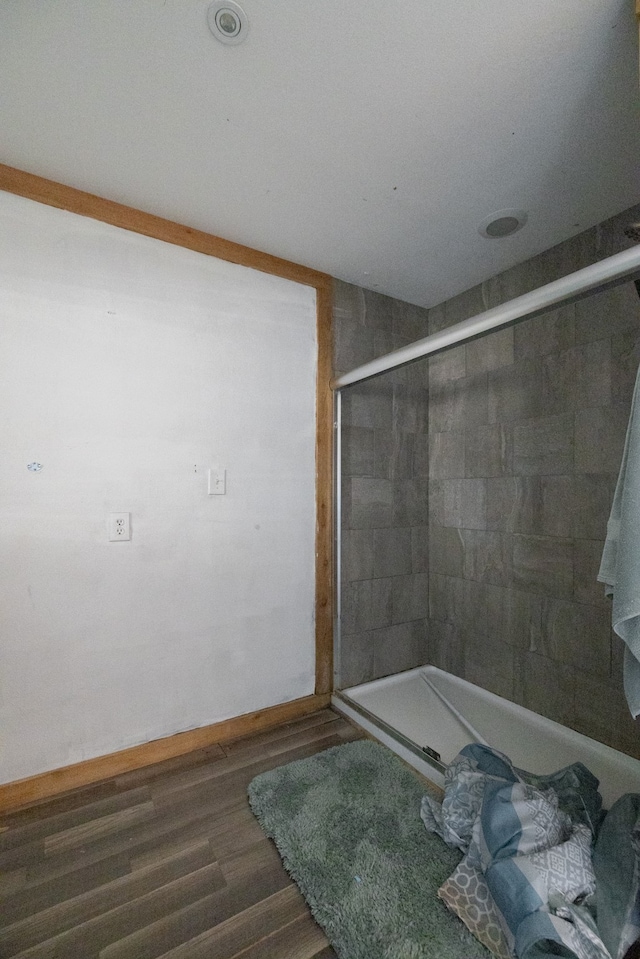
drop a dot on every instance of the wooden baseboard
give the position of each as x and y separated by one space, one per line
23 792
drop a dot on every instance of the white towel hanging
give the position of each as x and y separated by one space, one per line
620 566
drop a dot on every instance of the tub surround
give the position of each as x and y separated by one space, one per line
384 566
518 466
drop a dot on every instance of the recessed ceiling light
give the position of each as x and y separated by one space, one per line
227 21
503 223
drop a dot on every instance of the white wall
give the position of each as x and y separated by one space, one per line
127 368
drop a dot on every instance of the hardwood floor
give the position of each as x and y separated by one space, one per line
167 861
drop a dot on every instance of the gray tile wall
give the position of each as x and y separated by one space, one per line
526 431
474 515
385 467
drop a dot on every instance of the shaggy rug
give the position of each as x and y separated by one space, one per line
347 825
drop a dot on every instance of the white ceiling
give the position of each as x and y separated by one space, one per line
367 139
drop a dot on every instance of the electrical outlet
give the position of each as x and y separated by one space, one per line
119 527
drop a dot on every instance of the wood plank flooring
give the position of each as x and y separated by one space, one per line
166 861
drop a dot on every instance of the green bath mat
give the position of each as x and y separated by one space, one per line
347 825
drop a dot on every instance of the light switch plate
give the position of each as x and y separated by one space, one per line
217 482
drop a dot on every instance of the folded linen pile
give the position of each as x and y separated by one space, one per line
526 885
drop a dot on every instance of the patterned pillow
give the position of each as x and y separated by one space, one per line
516 820
566 869
467 895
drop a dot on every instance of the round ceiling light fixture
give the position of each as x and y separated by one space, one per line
503 223
227 21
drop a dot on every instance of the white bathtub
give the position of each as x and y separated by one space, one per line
407 716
